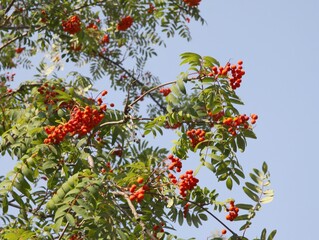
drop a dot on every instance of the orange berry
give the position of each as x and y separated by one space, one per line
104 93
132 197
140 180
224 231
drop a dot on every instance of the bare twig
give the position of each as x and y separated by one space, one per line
9 6
64 230
149 91
211 214
135 80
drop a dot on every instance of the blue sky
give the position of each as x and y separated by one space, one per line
279 44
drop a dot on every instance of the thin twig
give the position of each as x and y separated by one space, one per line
9 6
149 91
134 78
64 230
113 123
216 218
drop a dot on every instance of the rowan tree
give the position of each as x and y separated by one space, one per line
85 168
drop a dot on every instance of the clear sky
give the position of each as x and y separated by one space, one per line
279 44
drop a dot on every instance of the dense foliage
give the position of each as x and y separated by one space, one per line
85 168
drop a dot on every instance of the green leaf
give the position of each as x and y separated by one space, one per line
266 200
122 235
239 173
172 99
256 179
253 187
241 143
180 84
61 211
191 58
229 183
188 219
272 235
57 225
70 219
250 194
244 206
249 133
210 166
210 61
5 204
265 168
175 90
80 212
242 217
203 216
180 217
263 234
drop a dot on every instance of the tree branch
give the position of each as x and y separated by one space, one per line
9 6
17 37
135 80
64 229
149 91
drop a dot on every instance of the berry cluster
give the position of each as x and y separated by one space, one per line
138 194
72 25
217 116
187 182
105 39
19 50
174 126
108 166
234 123
232 211
125 23
76 237
151 8
99 101
165 91
48 93
236 73
92 26
158 228
176 163
50 96
196 136
192 3
254 118
44 16
81 122
117 152
242 120
172 178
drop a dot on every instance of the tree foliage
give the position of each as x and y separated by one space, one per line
86 169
